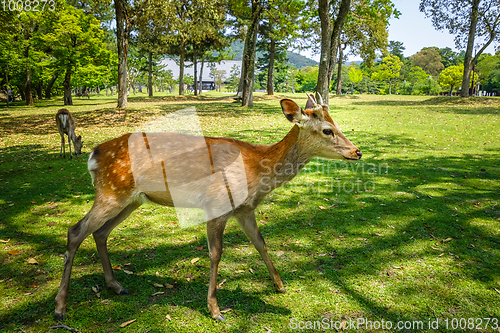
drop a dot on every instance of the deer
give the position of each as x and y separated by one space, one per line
66 125
126 175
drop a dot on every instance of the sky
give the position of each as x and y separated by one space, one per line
414 30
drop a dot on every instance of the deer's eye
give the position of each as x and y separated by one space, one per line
327 132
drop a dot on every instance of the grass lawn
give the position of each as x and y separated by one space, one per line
410 233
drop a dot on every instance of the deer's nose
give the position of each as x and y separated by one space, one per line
359 153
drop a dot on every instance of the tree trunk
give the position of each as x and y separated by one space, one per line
122 43
39 90
48 89
28 87
249 56
270 70
20 87
329 44
8 88
470 47
339 71
323 84
201 75
195 64
67 88
150 74
181 70
390 87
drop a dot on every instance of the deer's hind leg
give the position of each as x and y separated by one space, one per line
97 216
62 145
215 230
101 239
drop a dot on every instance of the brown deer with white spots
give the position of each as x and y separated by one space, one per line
66 125
241 175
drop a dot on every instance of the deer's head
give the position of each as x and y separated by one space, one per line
322 135
78 144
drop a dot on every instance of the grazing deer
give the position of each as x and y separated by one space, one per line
125 176
66 125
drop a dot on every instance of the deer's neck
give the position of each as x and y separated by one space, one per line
285 159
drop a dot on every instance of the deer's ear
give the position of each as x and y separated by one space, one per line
292 111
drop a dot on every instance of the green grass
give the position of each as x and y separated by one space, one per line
409 233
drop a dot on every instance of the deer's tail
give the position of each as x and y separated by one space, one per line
92 166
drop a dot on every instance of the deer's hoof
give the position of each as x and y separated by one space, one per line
123 292
59 316
220 317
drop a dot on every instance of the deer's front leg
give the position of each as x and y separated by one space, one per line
62 147
215 229
247 222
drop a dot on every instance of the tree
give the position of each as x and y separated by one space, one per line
279 27
75 40
248 62
234 78
364 25
449 57
492 83
8 50
486 64
396 48
126 16
218 75
416 76
29 51
355 75
451 77
330 39
307 79
469 21
191 27
388 70
365 30
429 60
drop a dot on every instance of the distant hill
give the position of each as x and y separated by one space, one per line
295 59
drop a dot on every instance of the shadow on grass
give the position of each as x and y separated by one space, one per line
45 123
458 105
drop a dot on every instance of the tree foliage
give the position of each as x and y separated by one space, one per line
472 22
388 69
451 78
429 60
